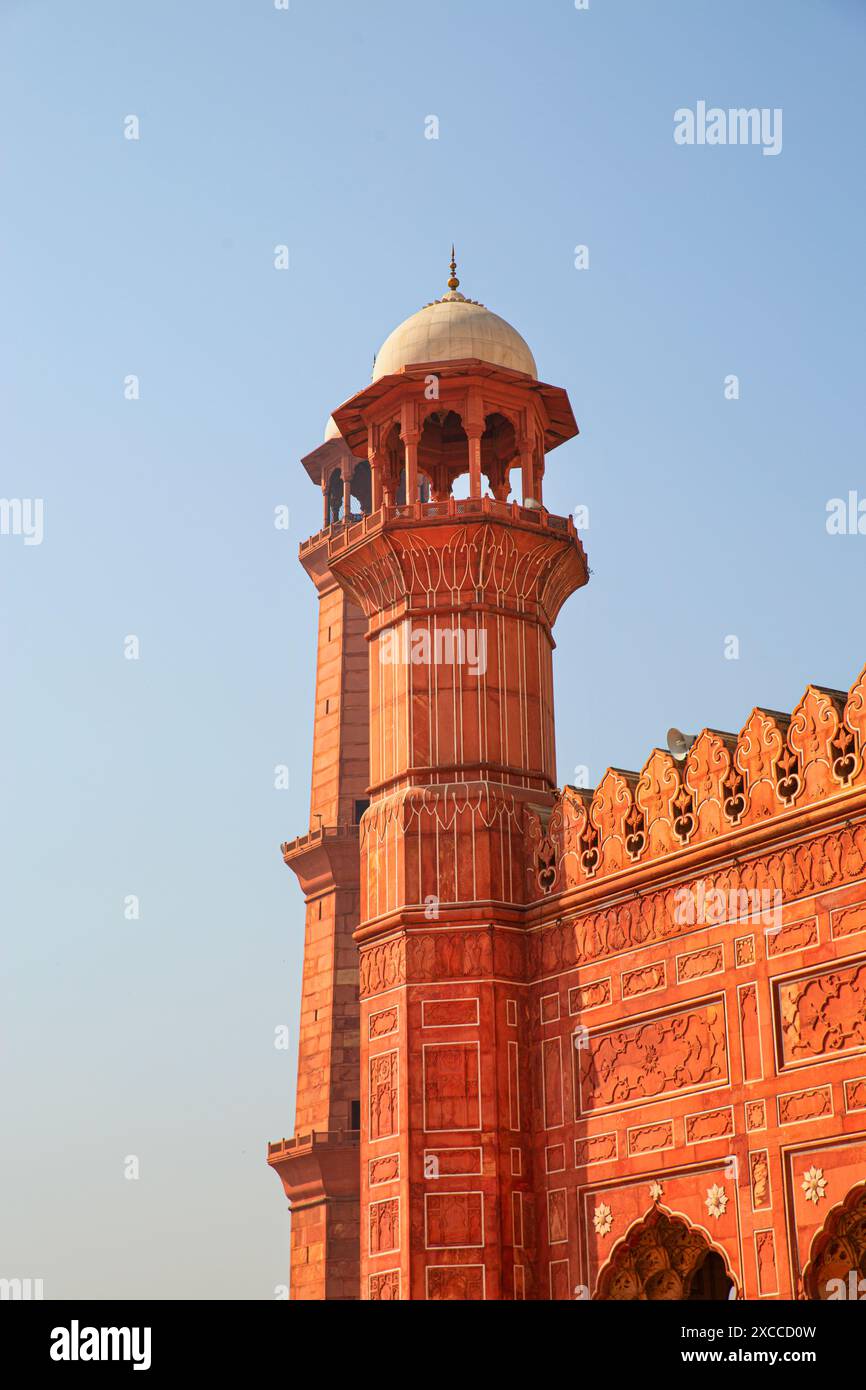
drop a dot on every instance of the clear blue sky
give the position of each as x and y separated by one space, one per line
707 517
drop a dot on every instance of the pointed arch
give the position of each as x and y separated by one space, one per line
658 1258
838 1249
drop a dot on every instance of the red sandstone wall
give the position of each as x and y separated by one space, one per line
728 1058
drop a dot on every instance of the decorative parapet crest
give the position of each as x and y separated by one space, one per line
777 763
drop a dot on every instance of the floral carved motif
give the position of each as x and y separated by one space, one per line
824 1013
602 1219
716 1201
382 966
814 1185
645 1060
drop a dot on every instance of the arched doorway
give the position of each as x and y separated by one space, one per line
664 1258
837 1261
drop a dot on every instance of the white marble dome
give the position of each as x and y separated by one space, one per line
450 328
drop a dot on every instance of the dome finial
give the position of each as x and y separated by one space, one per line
453 282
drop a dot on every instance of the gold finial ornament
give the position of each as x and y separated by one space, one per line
453 282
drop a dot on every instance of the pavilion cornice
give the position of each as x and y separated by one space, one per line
456 380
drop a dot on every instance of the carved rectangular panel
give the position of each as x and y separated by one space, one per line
645 1139
554 1158
642 981
744 951
449 1013
551 1063
454 1219
855 1094
756 1114
385 1286
848 921
557 1216
513 1087
383 1023
385 1226
759 1179
548 1006
796 1107
793 936
591 996
384 1169
709 1124
765 1259
750 1032
560 1283
671 1053
451 1086
517 1219
595 1148
462 1283
384 1120
451 1163
694 965
821 1014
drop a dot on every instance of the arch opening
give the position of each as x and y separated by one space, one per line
663 1258
837 1262
335 497
362 490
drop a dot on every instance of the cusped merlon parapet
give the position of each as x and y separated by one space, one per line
778 765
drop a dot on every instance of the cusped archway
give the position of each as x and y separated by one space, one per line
837 1259
662 1257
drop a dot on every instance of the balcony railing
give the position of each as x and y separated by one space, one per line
312 1138
315 837
340 536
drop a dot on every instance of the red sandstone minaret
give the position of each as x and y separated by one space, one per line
459 597
319 1165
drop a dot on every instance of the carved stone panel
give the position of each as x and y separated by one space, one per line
454 1219
385 1226
451 1087
383 1095
659 1056
460 1283
822 1013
